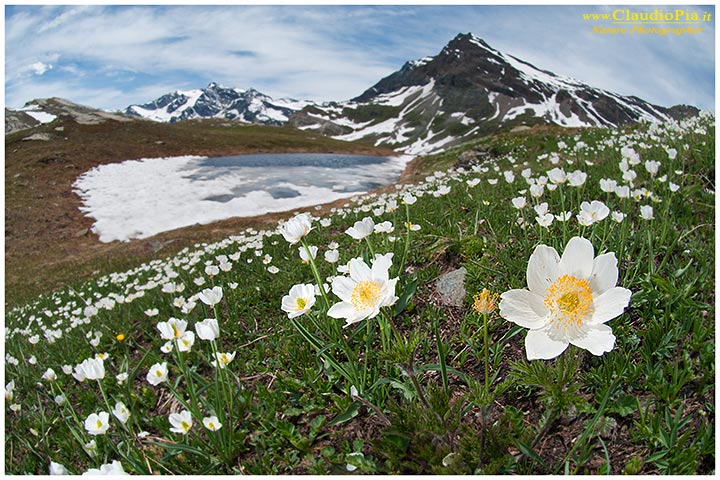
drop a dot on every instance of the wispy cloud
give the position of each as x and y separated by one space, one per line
110 56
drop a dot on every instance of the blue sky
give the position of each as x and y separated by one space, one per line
113 56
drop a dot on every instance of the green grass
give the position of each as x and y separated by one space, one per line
645 407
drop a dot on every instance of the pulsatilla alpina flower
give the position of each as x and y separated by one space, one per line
299 300
211 296
361 228
172 329
97 424
296 228
365 291
208 329
181 422
568 300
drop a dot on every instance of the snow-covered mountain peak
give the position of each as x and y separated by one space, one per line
217 101
470 88
467 89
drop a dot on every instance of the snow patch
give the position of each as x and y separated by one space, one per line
42 117
141 198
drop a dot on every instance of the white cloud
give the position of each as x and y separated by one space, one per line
38 68
320 52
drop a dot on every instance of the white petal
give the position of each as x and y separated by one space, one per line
577 259
604 273
610 304
359 271
542 269
306 291
287 304
381 267
523 308
597 340
343 288
342 310
538 345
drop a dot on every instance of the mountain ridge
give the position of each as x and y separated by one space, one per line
217 101
430 104
470 88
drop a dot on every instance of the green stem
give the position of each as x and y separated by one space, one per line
222 395
401 267
562 206
651 255
418 388
316 274
372 250
441 357
195 408
487 354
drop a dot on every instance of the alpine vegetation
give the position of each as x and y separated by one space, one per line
582 341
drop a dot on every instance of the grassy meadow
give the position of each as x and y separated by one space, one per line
322 345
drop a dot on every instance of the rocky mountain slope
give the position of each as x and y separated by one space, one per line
467 89
46 110
470 88
217 101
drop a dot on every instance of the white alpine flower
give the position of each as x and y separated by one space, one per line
211 296
97 424
212 423
121 412
332 256
296 228
114 468
557 175
519 202
58 469
304 253
592 212
91 368
208 329
362 228
158 373
646 212
181 422
365 291
568 300
299 300
576 178
172 329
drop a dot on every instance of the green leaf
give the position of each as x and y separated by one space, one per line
402 302
624 405
172 447
350 413
530 453
680 272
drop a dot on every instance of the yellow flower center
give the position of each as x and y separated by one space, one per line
301 303
99 424
570 302
185 426
366 294
158 373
